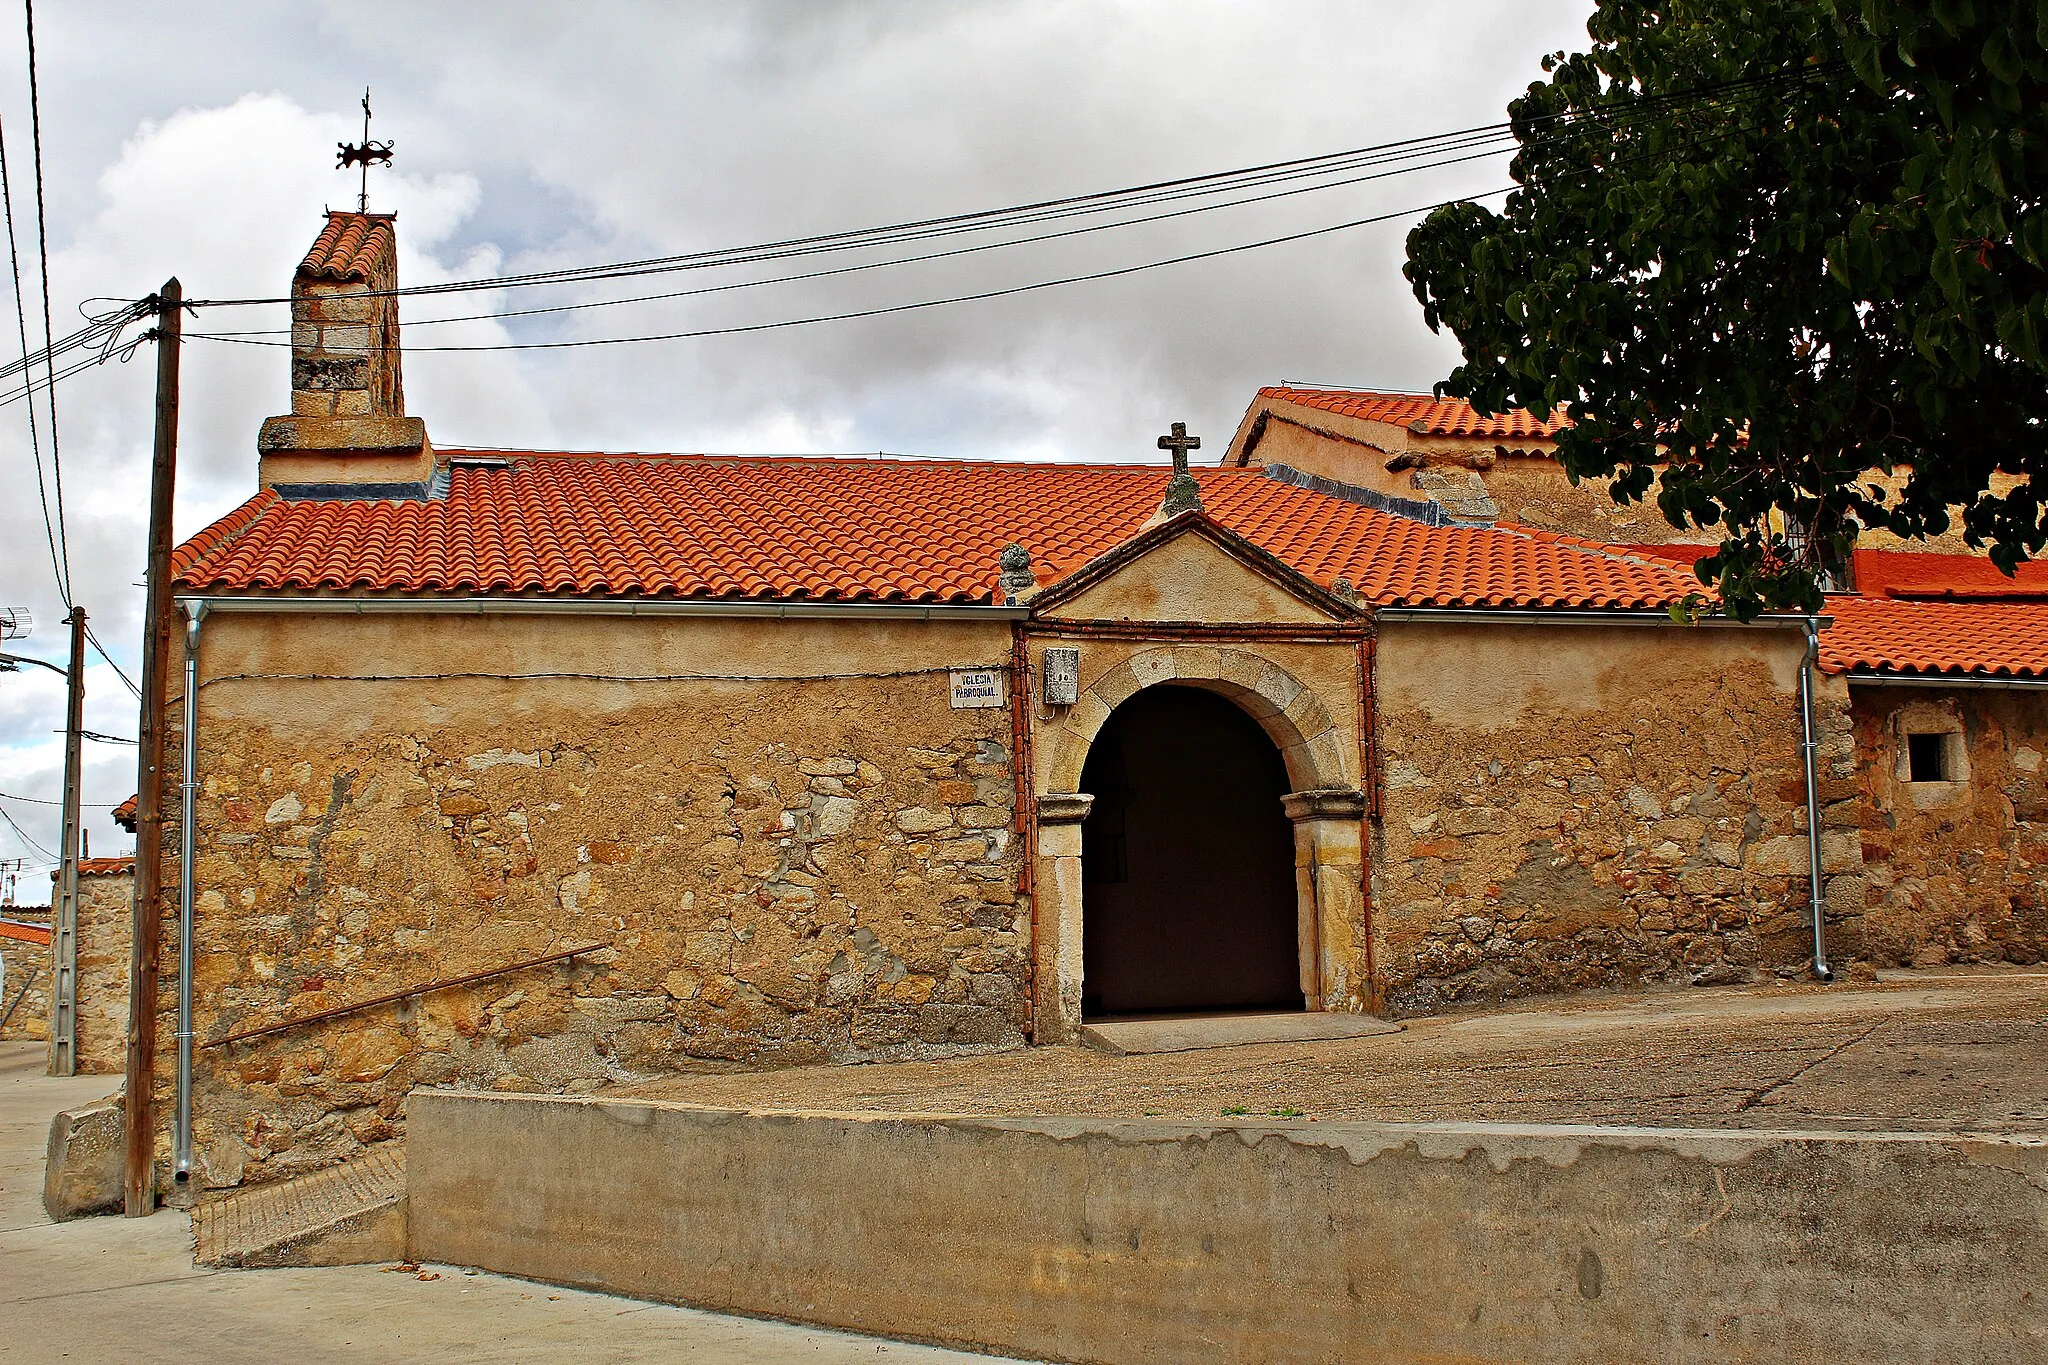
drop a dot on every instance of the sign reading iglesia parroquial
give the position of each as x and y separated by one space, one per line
978 687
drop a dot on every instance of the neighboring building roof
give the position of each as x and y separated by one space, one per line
873 530
1986 639
348 246
107 867
125 813
1938 577
1420 413
22 931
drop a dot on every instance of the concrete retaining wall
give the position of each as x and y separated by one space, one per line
1092 1240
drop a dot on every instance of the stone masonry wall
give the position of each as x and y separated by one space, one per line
28 969
780 871
1953 871
1573 807
105 928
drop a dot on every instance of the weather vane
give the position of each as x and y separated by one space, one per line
367 155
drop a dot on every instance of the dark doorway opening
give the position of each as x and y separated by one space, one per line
1187 862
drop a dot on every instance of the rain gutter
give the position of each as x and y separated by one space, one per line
1808 745
1580 616
188 788
1880 678
772 609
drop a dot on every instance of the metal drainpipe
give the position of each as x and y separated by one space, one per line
188 787
1808 746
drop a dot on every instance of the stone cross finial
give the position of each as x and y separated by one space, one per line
1183 494
1015 576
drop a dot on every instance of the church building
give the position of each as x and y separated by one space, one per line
540 771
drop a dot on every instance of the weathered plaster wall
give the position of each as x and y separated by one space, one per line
1577 806
1085 1240
28 969
105 930
797 868
1953 871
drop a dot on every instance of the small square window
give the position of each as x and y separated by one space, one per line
1927 758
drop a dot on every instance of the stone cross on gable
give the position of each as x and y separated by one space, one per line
1180 443
1183 494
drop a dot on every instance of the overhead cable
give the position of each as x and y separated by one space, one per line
35 443
35 125
1098 202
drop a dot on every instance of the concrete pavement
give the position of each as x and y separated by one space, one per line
107 1288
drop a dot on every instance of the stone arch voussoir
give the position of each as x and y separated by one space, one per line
1286 709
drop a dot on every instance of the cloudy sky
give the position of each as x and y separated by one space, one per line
198 140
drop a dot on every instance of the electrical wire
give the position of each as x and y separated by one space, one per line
35 124
1102 201
22 835
119 672
893 261
35 444
906 307
39 801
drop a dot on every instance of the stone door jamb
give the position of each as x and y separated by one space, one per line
1326 810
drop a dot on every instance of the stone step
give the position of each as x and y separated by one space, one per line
1192 1032
350 1214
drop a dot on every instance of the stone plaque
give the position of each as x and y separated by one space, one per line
1060 676
978 687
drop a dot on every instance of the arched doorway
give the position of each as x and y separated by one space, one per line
1187 862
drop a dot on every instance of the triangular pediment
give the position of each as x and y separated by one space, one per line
1191 569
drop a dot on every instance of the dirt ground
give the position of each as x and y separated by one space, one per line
1955 1050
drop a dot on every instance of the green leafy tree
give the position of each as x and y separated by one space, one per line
1762 249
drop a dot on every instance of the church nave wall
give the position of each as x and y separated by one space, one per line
1568 807
780 871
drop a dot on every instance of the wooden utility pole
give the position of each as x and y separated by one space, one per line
64 939
139 1171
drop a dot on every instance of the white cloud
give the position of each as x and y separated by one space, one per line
530 136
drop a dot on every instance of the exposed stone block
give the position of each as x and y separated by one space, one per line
82 1169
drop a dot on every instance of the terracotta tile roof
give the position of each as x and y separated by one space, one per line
1912 574
858 530
348 246
106 867
1996 639
1420 413
124 814
22 932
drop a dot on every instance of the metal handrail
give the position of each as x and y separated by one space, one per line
320 1016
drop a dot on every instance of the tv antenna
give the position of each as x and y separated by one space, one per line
15 623
367 155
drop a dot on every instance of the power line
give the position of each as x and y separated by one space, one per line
1098 202
894 261
35 125
39 801
244 340
910 307
119 672
21 321
22 835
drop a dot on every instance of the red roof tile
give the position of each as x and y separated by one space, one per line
348 246
126 813
1998 639
1911 574
858 530
24 933
1420 413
